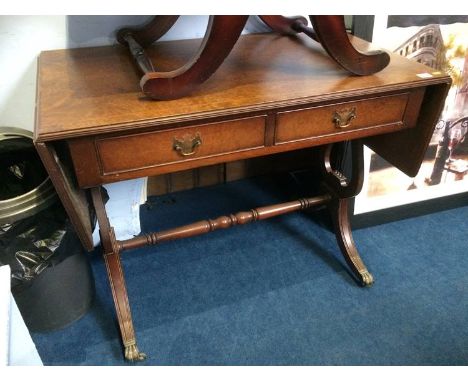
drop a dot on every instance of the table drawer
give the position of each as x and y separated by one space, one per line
385 112
104 158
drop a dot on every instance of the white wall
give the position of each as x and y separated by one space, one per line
22 38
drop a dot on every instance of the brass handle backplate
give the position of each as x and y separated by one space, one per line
187 145
343 118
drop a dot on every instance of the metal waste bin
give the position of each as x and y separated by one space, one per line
52 280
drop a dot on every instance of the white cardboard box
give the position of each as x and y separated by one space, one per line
16 345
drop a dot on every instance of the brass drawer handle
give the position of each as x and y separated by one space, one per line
187 145
343 118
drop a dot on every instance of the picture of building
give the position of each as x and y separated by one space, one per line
425 47
445 167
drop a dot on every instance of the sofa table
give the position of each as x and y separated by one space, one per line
272 94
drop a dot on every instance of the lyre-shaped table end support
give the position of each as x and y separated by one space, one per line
343 190
339 209
331 33
221 35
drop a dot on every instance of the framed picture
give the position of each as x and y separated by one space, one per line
441 43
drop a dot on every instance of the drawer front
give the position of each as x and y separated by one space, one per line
109 158
166 147
343 118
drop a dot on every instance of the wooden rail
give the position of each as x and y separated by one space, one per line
222 222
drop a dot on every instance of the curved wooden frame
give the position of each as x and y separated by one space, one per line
289 25
343 190
330 31
150 32
220 37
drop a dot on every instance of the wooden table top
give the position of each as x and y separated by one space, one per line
96 90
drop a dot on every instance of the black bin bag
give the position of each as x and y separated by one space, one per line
52 281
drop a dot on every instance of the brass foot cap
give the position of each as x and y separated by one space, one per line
366 278
133 354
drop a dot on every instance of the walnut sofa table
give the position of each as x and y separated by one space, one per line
272 94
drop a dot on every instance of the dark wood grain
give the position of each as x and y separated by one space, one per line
406 149
116 278
343 190
337 183
289 25
339 210
141 58
74 200
221 35
331 33
223 222
148 33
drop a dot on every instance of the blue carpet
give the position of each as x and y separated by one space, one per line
278 292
